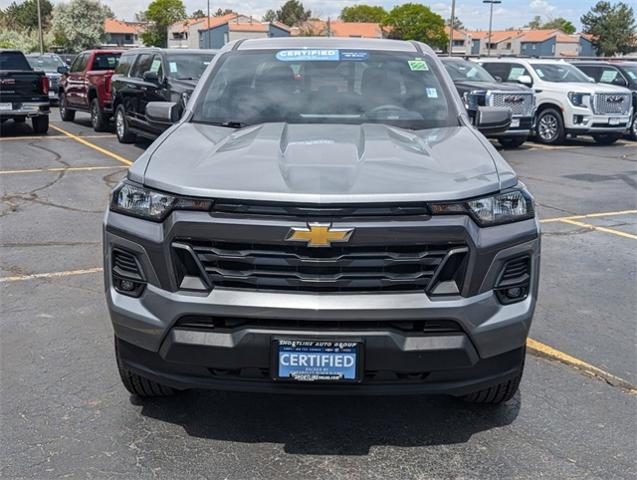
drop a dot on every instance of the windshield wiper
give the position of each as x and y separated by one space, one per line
185 78
230 124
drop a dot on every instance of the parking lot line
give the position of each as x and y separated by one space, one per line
50 137
546 351
113 155
589 215
59 169
21 278
599 229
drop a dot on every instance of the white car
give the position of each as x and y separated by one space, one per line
568 102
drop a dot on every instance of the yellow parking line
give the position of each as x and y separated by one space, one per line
58 169
50 137
21 278
117 157
600 229
589 215
546 351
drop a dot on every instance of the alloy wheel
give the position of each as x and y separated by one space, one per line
94 114
548 127
119 124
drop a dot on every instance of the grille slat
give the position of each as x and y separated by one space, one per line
523 108
618 103
125 265
334 269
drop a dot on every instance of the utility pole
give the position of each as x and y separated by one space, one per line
40 36
451 22
490 23
208 32
329 27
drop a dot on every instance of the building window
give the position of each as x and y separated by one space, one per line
534 46
458 43
127 37
508 47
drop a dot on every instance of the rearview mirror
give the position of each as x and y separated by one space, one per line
62 70
525 80
493 120
151 77
162 112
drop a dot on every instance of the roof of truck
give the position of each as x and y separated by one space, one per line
276 43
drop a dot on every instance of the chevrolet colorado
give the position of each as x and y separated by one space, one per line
323 218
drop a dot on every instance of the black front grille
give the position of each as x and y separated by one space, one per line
291 267
233 323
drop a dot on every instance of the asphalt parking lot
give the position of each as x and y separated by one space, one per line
65 414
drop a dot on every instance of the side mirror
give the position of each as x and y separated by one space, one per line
590 79
498 78
63 70
151 77
162 112
525 80
493 120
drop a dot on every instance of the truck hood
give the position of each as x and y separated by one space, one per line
583 87
495 86
323 163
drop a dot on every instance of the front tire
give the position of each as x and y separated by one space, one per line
138 385
606 138
632 132
66 113
511 142
40 124
124 135
99 121
498 393
20 119
550 127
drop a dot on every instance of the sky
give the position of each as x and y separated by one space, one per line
473 13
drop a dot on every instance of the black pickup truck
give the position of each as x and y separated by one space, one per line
24 93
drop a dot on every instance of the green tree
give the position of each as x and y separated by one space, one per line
221 13
198 14
560 23
24 16
79 24
270 16
612 26
411 21
161 14
457 23
293 13
363 13
25 40
535 23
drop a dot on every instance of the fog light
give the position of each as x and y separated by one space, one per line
127 285
514 292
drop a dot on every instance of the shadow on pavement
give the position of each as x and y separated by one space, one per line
318 425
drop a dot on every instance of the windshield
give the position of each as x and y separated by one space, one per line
631 72
13 61
188 66
552 72
325 86
462 70
106 61
47 63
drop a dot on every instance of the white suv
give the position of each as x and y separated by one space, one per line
568 102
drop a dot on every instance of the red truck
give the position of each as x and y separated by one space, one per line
86 86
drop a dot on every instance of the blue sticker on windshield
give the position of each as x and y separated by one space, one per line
355 56
432 93
308 55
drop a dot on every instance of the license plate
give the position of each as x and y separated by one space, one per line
6 106
614 121
51 94
317 360
515 123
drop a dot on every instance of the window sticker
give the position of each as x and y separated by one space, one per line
632 74
308 55
608 76
173 67
539 72
515 73
432 92
354 56
156 65
418 66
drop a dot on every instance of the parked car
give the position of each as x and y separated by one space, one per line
323 218
568 102
86 86
24 93
153 74
49 64
478 88
620 73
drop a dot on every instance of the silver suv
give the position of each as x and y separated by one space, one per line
323 219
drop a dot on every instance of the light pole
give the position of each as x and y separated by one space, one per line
451 22
490 23
209 32
40 36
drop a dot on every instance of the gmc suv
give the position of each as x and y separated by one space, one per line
568 102
324 218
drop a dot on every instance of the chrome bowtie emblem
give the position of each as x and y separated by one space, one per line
513 99
615 99
319 234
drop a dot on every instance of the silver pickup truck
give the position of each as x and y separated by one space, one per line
324 218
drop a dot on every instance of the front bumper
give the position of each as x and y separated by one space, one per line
524 128
486 348
27 109
583 121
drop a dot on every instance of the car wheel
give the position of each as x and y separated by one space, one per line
98 119
20 119
138 385
511 142
66 113
550 127
498 393
124 135
632 133
40 124
606 138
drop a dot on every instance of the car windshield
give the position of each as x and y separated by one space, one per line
631 72
188 66
462 70
553 72
325 86
47 63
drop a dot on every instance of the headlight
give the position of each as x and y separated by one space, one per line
138 201
506 207
577 99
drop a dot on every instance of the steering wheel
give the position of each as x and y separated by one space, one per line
380 108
